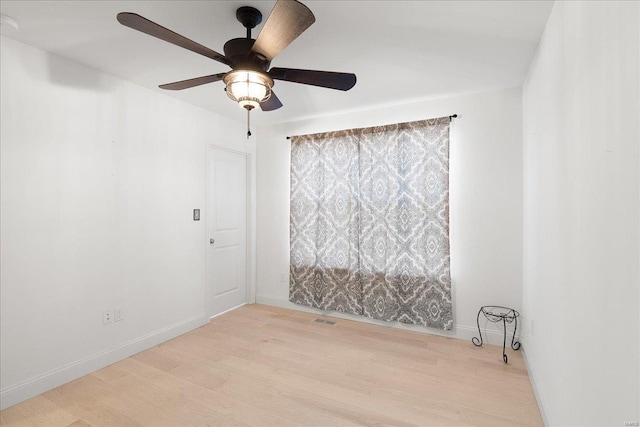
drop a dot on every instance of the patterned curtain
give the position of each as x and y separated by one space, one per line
370 222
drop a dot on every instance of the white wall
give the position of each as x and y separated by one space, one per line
581 215
99 179
485 191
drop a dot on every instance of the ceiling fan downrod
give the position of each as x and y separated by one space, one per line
249 17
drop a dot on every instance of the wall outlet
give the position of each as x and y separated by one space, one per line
107 317
283 276
117 314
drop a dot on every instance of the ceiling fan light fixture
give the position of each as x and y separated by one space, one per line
248 88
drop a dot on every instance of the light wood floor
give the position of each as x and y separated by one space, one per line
266 366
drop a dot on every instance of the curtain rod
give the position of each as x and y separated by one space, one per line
451 117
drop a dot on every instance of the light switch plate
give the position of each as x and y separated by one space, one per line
196 214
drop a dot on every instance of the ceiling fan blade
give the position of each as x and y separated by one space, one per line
288 19
137 22
273 103
328 79
186 84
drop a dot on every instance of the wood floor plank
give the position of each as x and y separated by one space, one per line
234 384
201 403
104 386
268 366
77 399
38 411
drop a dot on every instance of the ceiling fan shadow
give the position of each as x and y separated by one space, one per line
66 72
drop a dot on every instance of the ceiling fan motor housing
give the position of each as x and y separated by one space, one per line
241 56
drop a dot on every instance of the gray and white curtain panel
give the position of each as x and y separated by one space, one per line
370 222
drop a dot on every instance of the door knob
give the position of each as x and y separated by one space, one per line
211 241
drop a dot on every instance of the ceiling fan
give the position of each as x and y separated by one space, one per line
250 80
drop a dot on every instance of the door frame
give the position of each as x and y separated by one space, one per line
249 237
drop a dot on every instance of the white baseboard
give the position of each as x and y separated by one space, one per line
17 393
463 332
226 311
542 403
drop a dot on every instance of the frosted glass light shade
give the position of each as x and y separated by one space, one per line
248 88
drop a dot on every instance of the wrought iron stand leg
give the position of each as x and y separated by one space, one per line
504 341
515 345
478 342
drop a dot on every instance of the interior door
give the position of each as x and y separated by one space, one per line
227 230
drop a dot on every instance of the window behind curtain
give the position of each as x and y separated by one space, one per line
370 222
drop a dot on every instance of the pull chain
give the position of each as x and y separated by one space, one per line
248 123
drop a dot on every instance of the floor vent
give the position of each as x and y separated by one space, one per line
326 322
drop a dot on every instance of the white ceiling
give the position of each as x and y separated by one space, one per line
399 50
